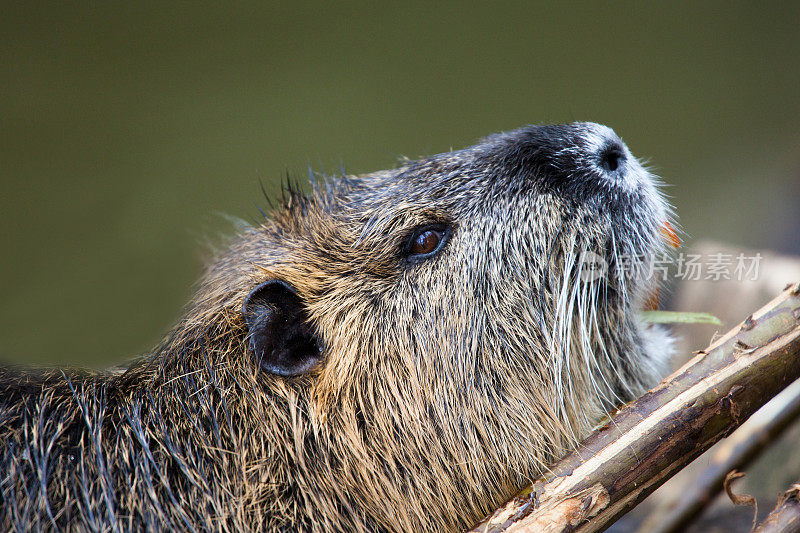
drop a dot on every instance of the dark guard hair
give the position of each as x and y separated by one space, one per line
401 350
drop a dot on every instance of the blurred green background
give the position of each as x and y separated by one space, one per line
126 128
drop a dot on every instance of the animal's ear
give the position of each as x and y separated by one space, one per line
279 334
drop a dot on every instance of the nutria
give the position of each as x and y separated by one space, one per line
401 350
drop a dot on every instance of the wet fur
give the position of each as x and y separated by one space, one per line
447 384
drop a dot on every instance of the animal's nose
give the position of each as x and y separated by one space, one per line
608 151
611 157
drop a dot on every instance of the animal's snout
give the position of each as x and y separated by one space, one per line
578 160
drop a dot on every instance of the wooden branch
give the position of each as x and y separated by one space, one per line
735 453
652 438
785 518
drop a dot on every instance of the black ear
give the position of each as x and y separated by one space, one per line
279 333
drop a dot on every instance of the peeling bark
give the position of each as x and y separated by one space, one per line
785 518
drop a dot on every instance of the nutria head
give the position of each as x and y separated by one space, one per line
398 350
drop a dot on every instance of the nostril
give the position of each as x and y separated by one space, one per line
611 157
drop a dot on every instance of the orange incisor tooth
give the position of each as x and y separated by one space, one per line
651 303
668 232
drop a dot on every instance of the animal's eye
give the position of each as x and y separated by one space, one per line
426 241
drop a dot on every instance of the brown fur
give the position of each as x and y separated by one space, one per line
446 384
